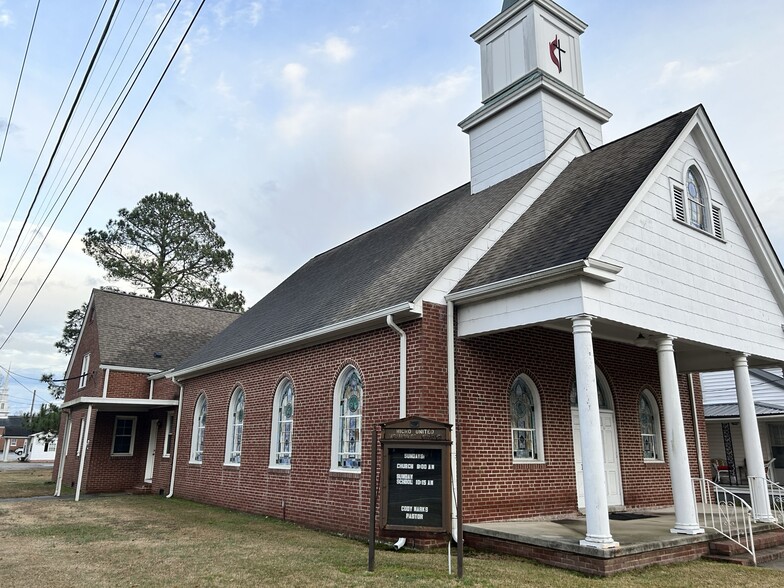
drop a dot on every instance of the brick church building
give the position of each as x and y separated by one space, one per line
553 309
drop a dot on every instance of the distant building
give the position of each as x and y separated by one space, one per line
13 434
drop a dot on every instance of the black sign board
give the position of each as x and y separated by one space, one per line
415 476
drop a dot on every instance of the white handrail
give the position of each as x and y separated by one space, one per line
775 494
728 514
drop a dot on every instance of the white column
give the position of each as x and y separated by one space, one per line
686 520
751 440
597 516
83 449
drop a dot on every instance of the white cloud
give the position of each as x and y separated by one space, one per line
294 75
223 88
335 49
6 18
255 11
185 58
677 72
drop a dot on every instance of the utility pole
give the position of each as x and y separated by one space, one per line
32 405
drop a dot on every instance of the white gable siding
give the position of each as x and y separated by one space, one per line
449 278
719 388
682 282
561 118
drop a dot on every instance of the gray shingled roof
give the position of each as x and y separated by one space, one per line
718 411
567 221
133 329
14 427
389 265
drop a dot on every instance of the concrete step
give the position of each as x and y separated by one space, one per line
762 541
744 559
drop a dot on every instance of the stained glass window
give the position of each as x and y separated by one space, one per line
523 413
350 421
696 195
601 390
199 425
285 423
649 428
234 432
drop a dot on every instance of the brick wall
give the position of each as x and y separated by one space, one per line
87 344
494 488
127 385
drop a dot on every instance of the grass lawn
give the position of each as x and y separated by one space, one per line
151 541
22 483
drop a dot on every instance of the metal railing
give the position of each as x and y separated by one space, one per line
775 495
728 514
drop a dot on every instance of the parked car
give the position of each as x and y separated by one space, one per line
19 451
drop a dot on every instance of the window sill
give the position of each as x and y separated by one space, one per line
528 461
165 456
350 472
193 462
654 461
705 232
229 464
280 467
121 455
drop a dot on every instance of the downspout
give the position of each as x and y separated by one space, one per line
402 541
402 334
452 399
697 441
176 440
84 452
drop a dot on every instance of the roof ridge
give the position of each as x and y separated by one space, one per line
143 297
691 110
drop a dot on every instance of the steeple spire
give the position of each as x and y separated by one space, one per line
532 90
4 408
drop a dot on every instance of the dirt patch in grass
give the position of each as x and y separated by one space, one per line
151 541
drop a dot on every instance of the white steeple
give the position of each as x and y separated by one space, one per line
532 90
4 408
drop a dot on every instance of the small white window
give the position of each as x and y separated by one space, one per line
282 425
347 421
85 369
12 443
692 205
124 435
526 420
234 427
650 428
168 440
199 425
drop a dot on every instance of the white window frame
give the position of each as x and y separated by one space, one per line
133 435
167 447
234 427
657 436
681 209
85 369
198 432
12 442
277 420
538 434
337 419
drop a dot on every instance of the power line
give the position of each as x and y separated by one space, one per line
111 167
62 132
141 63
19 81
54 120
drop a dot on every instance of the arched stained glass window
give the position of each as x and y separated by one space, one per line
199 426
695 192
650 430
349 420
234 427
283 425
525 414
601 390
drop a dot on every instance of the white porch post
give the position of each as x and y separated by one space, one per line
83 449
597 516
686 520
751 440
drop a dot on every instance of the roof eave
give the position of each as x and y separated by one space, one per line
593 269
403 311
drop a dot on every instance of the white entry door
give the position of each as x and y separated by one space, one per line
612 462
148 471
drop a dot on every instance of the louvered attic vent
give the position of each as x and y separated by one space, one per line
718 229
679 206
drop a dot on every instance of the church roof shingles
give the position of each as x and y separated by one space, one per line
395 262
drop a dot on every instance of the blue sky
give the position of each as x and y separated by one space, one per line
299 124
